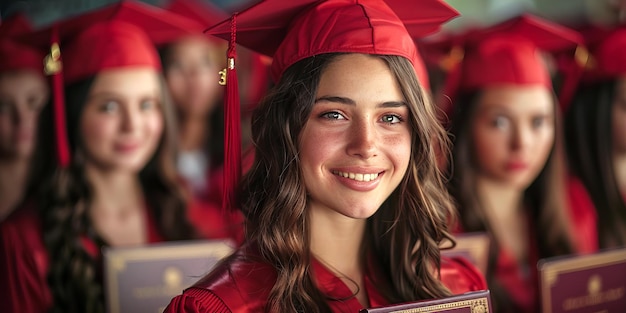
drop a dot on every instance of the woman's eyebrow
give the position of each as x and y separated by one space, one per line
337 99
348 101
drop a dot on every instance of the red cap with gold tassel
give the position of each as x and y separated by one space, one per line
53 67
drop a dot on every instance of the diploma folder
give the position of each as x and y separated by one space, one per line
586 283
471 302
145 278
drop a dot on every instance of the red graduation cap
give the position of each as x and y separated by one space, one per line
507 53
118 35
601 59
607 58
13 54
290 31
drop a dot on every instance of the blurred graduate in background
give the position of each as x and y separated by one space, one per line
191 65
595 127
507 167
106 172
24 91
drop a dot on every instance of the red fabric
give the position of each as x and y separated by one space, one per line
14 55
211 222
24 261
461 276
206 214
23 265
607 49
520 283
290 31
507 53
583 217
243 285
118 35
112 44
232 127
58 102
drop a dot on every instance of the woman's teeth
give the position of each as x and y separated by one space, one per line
357 176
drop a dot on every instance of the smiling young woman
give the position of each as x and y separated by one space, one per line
345 207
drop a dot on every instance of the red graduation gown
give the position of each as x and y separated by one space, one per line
24 261
583 217
244 285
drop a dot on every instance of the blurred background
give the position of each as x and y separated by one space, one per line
475 13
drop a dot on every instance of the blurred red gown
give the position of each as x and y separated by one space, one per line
206 213
24 261
583 216
244 283
521 284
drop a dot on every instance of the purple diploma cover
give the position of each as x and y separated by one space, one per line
587 283
471 302
146 278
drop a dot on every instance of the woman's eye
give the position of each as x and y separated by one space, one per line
391 119
109 106
500 122
147 105
35 104
333 116
538 122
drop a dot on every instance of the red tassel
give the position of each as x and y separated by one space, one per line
53 66
232 131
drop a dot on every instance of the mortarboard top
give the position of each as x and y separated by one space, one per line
608 59
602 59
507 53
13 54
120 35
289 31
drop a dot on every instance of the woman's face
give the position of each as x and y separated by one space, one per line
356 145
122 122
513 133
191 75
22 96
618 117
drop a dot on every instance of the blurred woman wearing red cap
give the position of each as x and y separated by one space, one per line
595 128
114 181
345 207
23 93
191 64
507 168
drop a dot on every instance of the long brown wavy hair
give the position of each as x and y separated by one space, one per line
544 200
589 145
63 197
403 235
